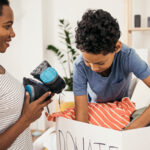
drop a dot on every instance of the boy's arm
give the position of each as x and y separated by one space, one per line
81 108
144 119
147 81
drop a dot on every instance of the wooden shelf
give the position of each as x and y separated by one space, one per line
130 28
139 29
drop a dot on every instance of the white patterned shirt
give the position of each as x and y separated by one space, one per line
11 103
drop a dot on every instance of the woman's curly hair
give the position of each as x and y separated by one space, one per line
97 32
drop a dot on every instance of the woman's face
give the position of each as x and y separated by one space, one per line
6 30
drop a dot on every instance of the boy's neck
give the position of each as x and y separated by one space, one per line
106 72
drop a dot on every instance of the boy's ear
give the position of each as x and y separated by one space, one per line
118 47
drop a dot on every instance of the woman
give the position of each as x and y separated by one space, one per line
16 114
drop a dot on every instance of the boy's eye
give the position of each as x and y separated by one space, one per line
101 64
96 64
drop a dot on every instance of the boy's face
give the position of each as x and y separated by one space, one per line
98 62
6 30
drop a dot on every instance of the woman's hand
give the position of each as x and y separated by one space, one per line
32 111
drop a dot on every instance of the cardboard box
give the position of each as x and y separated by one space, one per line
74 135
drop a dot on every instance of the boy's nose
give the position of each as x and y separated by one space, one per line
94 68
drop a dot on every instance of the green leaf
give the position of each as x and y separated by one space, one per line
67 38
62 55
64 61
74 57
59 53
53 48
61 21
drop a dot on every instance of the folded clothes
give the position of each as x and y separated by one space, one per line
114 115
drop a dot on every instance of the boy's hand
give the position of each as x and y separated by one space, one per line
142 121
32 111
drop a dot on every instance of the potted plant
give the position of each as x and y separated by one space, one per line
68 55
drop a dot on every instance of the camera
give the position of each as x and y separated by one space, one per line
48 80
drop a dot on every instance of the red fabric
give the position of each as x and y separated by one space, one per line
114 115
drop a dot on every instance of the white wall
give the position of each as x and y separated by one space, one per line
26 49
141 39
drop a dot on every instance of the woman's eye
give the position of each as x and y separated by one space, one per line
7 26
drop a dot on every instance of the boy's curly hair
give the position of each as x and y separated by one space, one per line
97 32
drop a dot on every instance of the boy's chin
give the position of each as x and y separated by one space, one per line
101 71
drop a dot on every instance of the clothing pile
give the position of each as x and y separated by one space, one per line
114 115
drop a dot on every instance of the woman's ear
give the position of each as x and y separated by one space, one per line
118 47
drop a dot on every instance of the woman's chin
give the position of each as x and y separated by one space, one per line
3 50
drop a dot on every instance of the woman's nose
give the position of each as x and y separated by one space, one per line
12 33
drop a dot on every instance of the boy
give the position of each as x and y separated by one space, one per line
103 71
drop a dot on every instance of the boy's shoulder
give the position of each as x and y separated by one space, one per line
126 49
79 60
126 52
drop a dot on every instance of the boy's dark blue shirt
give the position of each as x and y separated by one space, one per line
116 85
